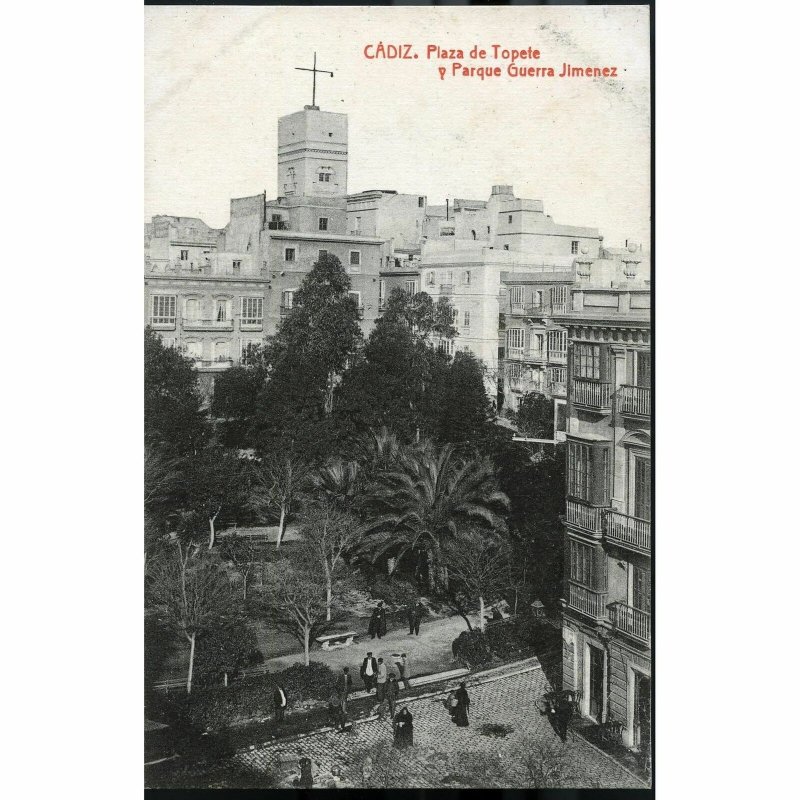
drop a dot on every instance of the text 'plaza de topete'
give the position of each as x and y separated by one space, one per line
546 306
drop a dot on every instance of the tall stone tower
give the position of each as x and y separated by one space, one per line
312 154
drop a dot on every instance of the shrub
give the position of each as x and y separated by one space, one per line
225 650
504 641
472 648
218 706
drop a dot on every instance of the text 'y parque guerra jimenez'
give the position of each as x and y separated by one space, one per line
523 62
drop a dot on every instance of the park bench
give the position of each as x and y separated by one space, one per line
334 640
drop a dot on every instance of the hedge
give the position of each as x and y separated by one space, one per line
502 641
217 707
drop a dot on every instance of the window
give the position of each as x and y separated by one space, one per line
557 375
642 366
588 472
355 258
168 341
222 351
558 298
445 346
488 229
287 301
557 344
325 175
237 265
467 277
538 342
184 255
222 311
515 338
289 254
323 223
574 247
641 487
252 310
421 202
537 298
454 316
431 279
516 293
322 254
514 371
411 287
450 277
640 588
356 296
510 217
163 309
582 563
248 348
586 361
194 350
505 247
381 293
466 319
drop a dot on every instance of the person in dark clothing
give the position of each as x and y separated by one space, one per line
403 729
381 620
279 698
392 693
461 713
344 686
369 672
563 716
372 630
410 617
419 613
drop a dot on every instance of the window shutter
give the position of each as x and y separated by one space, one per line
600 475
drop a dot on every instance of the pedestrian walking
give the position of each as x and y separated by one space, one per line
279 698
380 686
405 670
381 620
344 686
369 672
372 630
461 713
392 693
403 729
563 716
410 617
419 613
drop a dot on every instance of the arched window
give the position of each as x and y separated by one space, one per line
325 175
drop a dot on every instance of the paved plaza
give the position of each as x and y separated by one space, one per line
446 755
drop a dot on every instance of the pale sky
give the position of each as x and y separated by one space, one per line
218 78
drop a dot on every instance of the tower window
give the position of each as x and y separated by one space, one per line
355 258
323 223
289 254
510 218
184 255
574 249
237 265
421 202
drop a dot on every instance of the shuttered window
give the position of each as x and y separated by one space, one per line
641 487
588 469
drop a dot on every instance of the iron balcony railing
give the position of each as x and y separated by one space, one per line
628 531
587 601
217 324
591 394
629 620
634 400
587 518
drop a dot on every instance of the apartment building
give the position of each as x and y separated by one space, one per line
607 521
216 292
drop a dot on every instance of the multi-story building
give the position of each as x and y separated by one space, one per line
607 524
213 293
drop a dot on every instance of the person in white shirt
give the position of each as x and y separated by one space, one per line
281 702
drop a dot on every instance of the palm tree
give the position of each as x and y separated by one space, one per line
424 498
338 484
377 450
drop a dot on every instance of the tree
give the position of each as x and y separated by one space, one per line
162 490
213 484
276 485
476 564
329 534
307 356
338 484
191 591
292 597
236 393
424 498
245 557
460 387
173 417
225 650
535 416
420 314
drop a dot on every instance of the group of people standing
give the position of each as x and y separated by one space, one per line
377 621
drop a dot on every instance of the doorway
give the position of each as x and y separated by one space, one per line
596 680
641 713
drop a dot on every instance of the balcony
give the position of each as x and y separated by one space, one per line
591 394
631 621
634 400
285 310
446 288
586 518
163 323
208 324
278 225
558 389
630 532
251 324
588 601
218 364
557 356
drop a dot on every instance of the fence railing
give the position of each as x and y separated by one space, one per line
587 601
634 400
630 620
628 530
591 394
587 518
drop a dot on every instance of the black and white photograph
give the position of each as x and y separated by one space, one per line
398 375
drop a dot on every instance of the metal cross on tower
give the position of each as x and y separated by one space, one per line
314 84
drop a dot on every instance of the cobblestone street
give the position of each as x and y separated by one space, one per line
446 755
